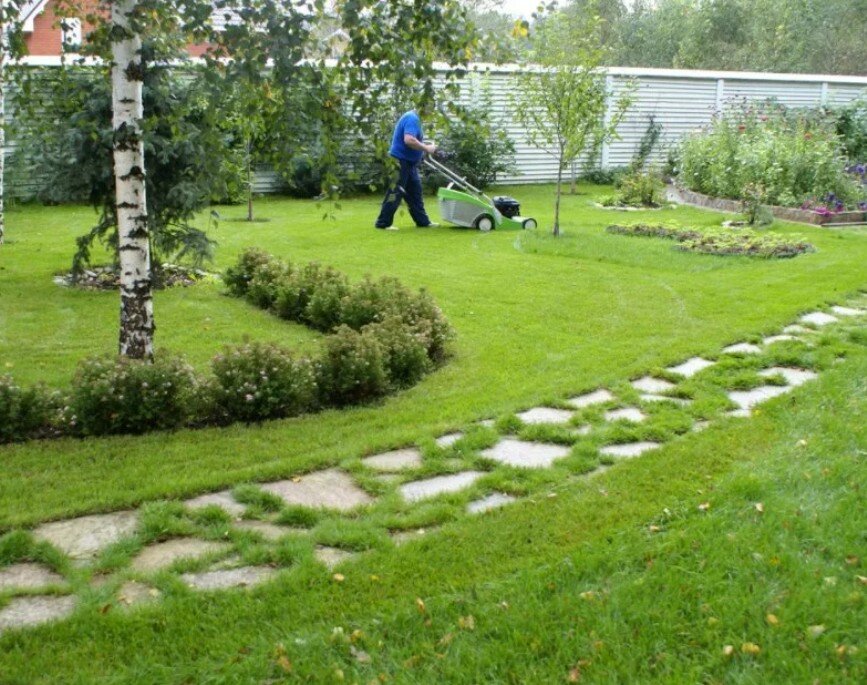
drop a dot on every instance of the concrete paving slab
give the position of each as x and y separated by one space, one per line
222 499
589 399
742 348
448 439
438 485
134 593
770 340
631 414
793 376
28 576
329 489
650 397
847 311
246 576
747 399
629 449
796 329
691 366
163 554
86 536
401 537
538 415
331 556
269 531
492 501
818 318
523 454
26 612
651 385
395 460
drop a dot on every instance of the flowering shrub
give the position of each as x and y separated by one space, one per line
237 278
313 296
352 368
793 156
26 412
127 396
256 381
638 189
405 351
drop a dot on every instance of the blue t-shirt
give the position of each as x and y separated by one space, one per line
408 123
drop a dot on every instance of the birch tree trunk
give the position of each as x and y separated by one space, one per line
2 119
136 298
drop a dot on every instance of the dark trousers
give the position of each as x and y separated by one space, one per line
408 188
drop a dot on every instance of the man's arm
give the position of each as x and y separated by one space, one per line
415 144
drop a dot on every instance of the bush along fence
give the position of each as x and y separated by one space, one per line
382 337
721 242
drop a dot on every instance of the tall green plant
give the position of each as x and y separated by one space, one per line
563 104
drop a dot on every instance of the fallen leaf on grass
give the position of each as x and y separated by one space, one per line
654 529
446 639
296 479
816 631
467 622
852 560
589 595
284 664
772 619
419 604
704 506
750 648
728 650
338 577
360 655
760 507
862 579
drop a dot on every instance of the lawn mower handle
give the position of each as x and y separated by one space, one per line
452 176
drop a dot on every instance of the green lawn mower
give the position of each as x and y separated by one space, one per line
471 208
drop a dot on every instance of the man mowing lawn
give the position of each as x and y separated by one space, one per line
407 147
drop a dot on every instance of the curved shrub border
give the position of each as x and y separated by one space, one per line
381 337
720 242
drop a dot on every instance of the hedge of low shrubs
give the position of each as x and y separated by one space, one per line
382 337
721 242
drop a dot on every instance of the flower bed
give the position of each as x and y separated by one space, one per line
381 337
719 242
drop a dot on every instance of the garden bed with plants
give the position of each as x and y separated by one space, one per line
721 242
381 337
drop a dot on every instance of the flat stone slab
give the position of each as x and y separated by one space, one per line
388 478
26 612
269 531
699 426
742 348
739 413
796 329
222 499
747 399
401 537
632 414
538 415
163 554
770 340
395 460
652 385
487 423
628 450
527 455
794 377
691 367
329 489
492 501
246 576
818 318
133 593
651 397
431 487
847 311
448 439
596 397
28 576
87 536
583 430
331 556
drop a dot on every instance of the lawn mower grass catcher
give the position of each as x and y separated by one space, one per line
470 207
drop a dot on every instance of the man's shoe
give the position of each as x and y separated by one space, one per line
430 225
387 228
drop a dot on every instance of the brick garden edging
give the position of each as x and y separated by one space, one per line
690 197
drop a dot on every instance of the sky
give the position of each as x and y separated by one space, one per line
519 8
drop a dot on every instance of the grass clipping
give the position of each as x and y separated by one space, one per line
720 242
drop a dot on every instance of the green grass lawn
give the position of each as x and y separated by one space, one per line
574 585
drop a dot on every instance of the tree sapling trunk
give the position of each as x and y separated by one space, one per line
136 297
249 161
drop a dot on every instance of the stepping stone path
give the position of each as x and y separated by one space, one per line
28 576
526 455
438 485
247 576
269 531
847 311
396 460
690 367
777 338
538 415
84 537
163 554
648 397
819 318
133 593
591 398
223 499
331 556
631 414
492 501
648 384
24 612
330 489
742 348
628 450
448 439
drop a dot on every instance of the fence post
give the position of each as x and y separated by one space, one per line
605 152
720 94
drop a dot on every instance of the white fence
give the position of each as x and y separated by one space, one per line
679 100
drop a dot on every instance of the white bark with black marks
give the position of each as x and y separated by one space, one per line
2 118
136 297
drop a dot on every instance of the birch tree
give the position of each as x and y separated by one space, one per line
562 101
